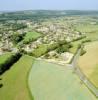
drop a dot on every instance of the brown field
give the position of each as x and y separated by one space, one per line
89 62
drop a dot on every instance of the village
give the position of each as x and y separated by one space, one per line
52 31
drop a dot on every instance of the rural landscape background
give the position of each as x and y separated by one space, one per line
49 50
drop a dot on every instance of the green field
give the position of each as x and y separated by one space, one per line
90 30
31 36
42 49
15 81
5 57
75 45
49 81
89 62
87 28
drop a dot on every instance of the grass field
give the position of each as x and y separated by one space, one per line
5 57
15 81
30 36
87 28
89 62
49 81
42 49
90 30
75 45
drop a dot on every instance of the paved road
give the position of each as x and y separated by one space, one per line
81 75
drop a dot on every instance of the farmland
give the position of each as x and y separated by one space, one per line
15 81
53 82
46 45
90 29
89 63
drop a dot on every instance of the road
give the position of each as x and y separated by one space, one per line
81 75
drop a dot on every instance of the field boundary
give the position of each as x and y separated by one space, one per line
27 80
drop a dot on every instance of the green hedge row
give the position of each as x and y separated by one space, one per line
9 62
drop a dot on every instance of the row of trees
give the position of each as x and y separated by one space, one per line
9 62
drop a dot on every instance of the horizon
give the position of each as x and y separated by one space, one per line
45 10
18 5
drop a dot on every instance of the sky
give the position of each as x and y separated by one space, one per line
13 5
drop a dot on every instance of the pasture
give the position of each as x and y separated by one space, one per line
15 81
49 81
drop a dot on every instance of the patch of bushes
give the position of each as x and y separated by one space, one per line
45 48
82 51
16 38
63 48
9 62
80 38
85 41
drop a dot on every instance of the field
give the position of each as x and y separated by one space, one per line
49 81
42 49
5 57
75 45
30 36
15 81
89 62
90 30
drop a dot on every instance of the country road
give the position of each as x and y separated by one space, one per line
81 75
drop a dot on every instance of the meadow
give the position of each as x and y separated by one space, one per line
14 81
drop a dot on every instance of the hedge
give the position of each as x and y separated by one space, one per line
9 62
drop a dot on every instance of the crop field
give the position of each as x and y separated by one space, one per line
5 57
30 36
89 62
49 81
15 81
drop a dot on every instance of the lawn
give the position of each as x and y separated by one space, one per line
49 81
31 36
15 81
5 57
89 62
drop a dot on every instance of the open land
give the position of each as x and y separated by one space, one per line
89 63
53 37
